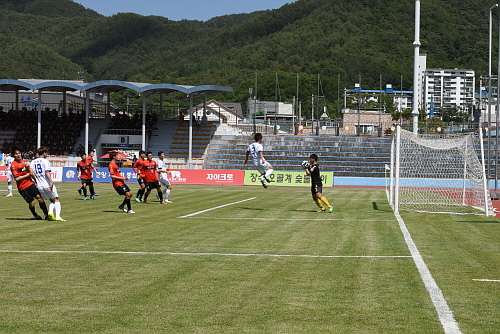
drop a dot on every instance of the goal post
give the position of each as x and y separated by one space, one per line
439 174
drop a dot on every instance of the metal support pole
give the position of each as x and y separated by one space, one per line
39 126
275 132
416 45
488 149
312 114
190 159
496 117
255 106
143 144
397 171
486 186
86 95
204 119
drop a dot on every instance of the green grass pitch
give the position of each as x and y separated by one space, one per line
271 264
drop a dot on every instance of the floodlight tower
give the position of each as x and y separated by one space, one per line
416 45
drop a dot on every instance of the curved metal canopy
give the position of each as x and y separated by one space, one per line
107 86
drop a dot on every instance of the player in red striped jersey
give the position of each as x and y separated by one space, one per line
149 167
26 186
89 159
118 179
140 176
84 170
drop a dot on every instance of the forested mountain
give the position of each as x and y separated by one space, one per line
51 8
356 39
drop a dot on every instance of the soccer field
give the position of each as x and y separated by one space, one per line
242 260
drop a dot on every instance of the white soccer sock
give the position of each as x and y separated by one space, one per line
269 172
9 187
58 209
51 207
167 194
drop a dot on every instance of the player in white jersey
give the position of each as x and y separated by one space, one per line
255 150
40 167
8 162
163 176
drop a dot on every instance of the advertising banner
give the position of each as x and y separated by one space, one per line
102 175
178 176
3 173
287 179
207 176
57 174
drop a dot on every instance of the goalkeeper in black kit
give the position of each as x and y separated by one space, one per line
312 169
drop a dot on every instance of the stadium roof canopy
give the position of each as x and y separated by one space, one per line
107 86
110 86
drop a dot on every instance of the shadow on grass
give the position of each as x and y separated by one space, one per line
376 208
109 211
244 208
299 210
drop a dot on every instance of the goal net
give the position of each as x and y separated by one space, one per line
441 175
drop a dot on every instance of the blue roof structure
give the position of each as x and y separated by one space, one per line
107 86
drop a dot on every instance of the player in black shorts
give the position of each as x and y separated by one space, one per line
137 167
312 169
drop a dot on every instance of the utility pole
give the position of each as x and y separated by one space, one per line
416 55
254 106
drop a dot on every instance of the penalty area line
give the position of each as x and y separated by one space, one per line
217 207
205 254
290 219
486 280
445 314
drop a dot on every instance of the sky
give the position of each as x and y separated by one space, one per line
176 10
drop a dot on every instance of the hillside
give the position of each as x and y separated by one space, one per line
50 8
362 39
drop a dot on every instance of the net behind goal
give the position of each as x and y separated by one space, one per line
442 175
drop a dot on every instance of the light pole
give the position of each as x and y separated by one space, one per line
255 106
488 153
416 54
275 132
497 115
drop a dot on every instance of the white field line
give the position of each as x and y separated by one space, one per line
486 280
268 218
205 254
360 199
217 207
445 314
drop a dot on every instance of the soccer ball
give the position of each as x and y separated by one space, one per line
305 164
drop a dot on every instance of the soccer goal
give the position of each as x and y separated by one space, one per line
433 173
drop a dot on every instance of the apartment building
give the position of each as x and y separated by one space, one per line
445 88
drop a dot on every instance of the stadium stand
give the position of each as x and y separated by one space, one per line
202 134
346 156
59 130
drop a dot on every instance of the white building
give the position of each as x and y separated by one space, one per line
221 112
448 88
267 109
